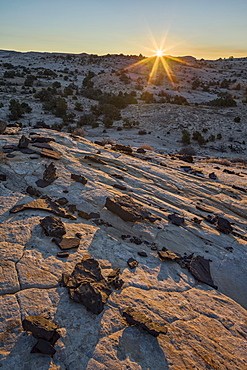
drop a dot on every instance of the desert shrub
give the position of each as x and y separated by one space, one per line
237 119
56 106
29 80
87 80
9 74
211 137
187 150
87 119
78 107
146 147
147 97
224 100
222 161
17 110
130 123
197 136
185 137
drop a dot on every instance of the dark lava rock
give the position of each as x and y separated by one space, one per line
141 150
114 280
186 168
62 254
41 139
43 145
168 255
50 154
53 226
176 220
41 328
187 158
88 216
95 159
43 346
3 126
27 151
212 176
41 125
120 187
142 254
62 201
196 220
3 177
79 178
10 155
46 204
135 317
42 183
50 173
87 285
200 269
229 171
123 148
117 176
142 132
66 243
33 191
223 225
23 142
126 208
136 240
132 263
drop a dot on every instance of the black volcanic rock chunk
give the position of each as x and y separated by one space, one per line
95 159
114 280
168 255
43 346
79 178
136 240
141 150
200 269
142 254
117 176
53 226
33 191
45 204
126 208
132 263
135 317
50 173
223 225
41 328
3 126
176 220
123 148
3 177
120 187
87 285
66 243
212 176
41 139
23 142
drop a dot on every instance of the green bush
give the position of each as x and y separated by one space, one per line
185 137
17 110
197 136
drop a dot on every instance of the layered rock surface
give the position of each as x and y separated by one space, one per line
206 329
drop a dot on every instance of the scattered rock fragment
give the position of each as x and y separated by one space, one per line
66 243
123 148
45 331
168 255
142 254
120 187
33 191
176 220
41 139
95 159
23 142
135 317
239 188
212 176
62 201
50 173
117 176
3 126
223 225
134 239
79 178
127 209
53 226
62 254
141 150
132 263
200 269
87 285
114 280
46 204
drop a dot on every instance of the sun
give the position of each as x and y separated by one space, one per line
159 53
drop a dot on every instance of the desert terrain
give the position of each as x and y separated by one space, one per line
123 213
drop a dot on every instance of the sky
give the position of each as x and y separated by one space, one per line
207 29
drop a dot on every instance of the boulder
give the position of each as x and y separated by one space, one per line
23 142
126 208
41 328
53 226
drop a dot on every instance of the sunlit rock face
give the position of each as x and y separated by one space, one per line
195 325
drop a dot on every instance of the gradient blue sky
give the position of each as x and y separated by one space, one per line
203 28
